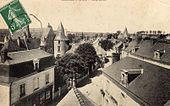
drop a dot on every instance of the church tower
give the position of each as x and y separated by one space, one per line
60 42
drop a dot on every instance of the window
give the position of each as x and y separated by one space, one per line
58 42
114 101
122 95
47 78
35 83
58 55
128 75
158 54
42 98
58 48
22 90
48 94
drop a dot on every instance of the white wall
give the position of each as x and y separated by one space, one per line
4 95
15 88
111 89
63 48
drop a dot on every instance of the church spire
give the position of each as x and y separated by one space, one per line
125 33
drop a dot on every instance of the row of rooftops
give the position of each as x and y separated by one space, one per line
152 86
40 33
148 49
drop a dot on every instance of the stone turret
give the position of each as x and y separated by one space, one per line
60 42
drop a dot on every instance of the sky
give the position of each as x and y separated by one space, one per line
98 15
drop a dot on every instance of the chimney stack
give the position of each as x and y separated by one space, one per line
19 41
28 32
4 56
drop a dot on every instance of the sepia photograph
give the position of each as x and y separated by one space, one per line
84 53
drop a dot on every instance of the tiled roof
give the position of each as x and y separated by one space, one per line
69 100
153 86
24 56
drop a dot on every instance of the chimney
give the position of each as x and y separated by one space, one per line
19 41
28 31
115 57
3 56
138 39
49 25
154 41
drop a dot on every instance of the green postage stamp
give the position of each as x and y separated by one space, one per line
15 16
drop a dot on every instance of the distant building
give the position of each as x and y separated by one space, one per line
131 47
112 55
31 38
60 42
26 77
124 35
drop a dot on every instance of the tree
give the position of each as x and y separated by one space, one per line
106 44
88 53
109 36
68 65
71 37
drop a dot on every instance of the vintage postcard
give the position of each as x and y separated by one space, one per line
84 53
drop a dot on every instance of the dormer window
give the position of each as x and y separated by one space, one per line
36 64
128 75
158 54
135 49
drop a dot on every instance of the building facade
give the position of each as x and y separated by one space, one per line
26 78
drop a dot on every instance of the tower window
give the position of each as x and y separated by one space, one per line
58 48
58 42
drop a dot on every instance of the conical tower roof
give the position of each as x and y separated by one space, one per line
125 33
60 35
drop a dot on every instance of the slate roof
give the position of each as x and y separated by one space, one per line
10 46
60 33
24 56
152 87
147 49
132 45
35 33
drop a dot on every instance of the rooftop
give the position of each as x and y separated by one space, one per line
147 48
24 56
152 87
60 33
